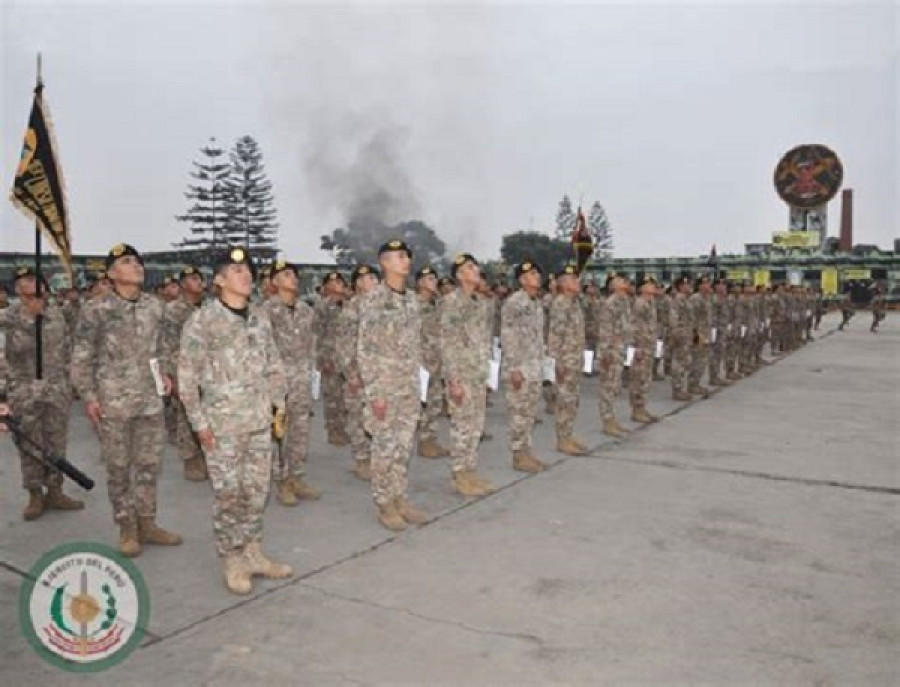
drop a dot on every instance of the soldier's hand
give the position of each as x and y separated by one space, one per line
455 392
354 384
516 378
168 385
638 355
379 407
94 412
206 439
279 422
328 367
4 410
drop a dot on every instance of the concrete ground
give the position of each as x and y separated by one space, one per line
751 538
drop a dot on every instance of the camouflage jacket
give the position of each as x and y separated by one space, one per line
662 304
326 330
613 324
388 347
644 325
719 315
175 314
348 329
681 320
115 339
701 307
546 299
522 336
431 335
292 328
744 315
589 307
21 356
229 371
495 316
566 340
464 337
70 311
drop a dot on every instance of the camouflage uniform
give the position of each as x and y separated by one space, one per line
522 341
431 361
41 405
231 378
566 345
176 314
744 321
589 315
613 333
549 390
354 394
731 337
662 303
389 357
777 313
292 329
644 333
701 308
718 322
681 330
114 342
465 353
326 330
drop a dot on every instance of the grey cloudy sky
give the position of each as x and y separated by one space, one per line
672 115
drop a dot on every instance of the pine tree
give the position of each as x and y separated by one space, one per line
565 220
207 216
249 201
601 231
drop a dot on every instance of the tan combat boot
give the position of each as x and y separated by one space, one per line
284 493
390 518
151 533
523 461
570 447
407 511
700 391
128 539
429 448
259 564
612 428
35 507
302 490
681 396
641 415
237 576
363 470
338 437
486 487
463 484
56 500
195 469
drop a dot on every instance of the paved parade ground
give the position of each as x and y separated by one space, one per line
751 538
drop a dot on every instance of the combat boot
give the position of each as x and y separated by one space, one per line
523 461
56 500
612 428
699 390
390 518
657 377
128 539
259 564
237 577
151 533
641 415
681 396
464 486
718 382
486 487
363 470
338 437
284 493
412 515
430 448
569 446
195 469
35 507
302 490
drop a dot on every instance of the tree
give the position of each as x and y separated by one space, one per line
601 231
551 254
565 219
208 215
360 240
249 201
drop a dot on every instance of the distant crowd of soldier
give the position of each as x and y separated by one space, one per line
233 367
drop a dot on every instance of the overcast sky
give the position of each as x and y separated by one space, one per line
672 115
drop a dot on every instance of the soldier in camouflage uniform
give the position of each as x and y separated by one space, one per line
176 314
746 323
363 279
718 333
389 357
589 308
549 388
777 312
426 289
117 337
42 405
327 310
644 335
71 307
566 345
879 309
446 285
292 328
232 384
522 342
681 331
701 306
613 334
465 354
662 302
732 334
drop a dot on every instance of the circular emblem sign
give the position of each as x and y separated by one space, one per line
808 176
84 608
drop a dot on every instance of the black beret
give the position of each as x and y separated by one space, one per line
567 271
232 256
446 281
280 266
333 276
394 246
361 271
526 267
425 271
120 250
187 272
461 260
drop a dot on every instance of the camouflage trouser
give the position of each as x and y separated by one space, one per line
333 400
521 410
239 468
699 364
434 405
466 426
639 378
549 394
609 373
732 348
185 437
567 398
681 365
132 451
716 357
392 440
47 426
746 354
360 444
171 422
291 454
667 356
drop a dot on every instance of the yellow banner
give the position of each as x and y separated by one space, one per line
796 239
829 282
857 274
761 278
739 275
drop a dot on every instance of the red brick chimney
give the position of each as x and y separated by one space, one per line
846 244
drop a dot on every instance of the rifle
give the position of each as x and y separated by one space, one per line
34 450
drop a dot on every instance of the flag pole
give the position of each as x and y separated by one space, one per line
39 318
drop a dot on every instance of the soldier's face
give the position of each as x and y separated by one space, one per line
366 283
721 290
236 280
568 285
531 281
428 283
468 275
396 262
26 286
286 280
447 288
127 270
193 284
170 292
